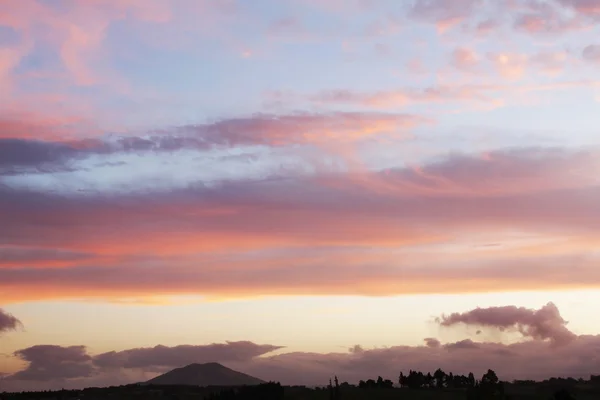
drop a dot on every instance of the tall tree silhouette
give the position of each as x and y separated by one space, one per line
471 380
440 377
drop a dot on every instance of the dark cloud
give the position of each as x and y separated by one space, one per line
8 322
163 356
432 342
58 363
22 256
466 344
30 156
48 362
15 153
545 323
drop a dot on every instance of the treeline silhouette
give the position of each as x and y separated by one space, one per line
440 379
414 385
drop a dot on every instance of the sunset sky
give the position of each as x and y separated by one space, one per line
298 188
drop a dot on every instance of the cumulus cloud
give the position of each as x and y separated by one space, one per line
432 342
545 323
49 362
65 364
8 322
466 344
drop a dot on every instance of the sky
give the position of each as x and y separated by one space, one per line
298 188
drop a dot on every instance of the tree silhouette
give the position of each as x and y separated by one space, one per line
471 380
489 378
429 380
440 377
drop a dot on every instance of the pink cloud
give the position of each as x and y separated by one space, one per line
416 66
549 23
404 97
509 65
551 63
463 58
542 324
403 208
486 27
77 33
444 14
312 128
587 7
533 17
27 125
400 208
489 95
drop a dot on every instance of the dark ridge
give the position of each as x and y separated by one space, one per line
209 374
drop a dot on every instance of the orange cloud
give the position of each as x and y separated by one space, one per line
333 218
509 65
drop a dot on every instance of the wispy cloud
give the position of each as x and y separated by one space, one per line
399 208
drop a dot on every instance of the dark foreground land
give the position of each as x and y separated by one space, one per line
415 386
556 389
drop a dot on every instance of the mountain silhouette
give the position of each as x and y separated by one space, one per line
210 374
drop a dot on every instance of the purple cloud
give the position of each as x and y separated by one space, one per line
48 363
542 324
8 322
164 356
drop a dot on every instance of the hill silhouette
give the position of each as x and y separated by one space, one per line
209 374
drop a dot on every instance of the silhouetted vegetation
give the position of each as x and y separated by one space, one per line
439 380
380 383
266 391
415 385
